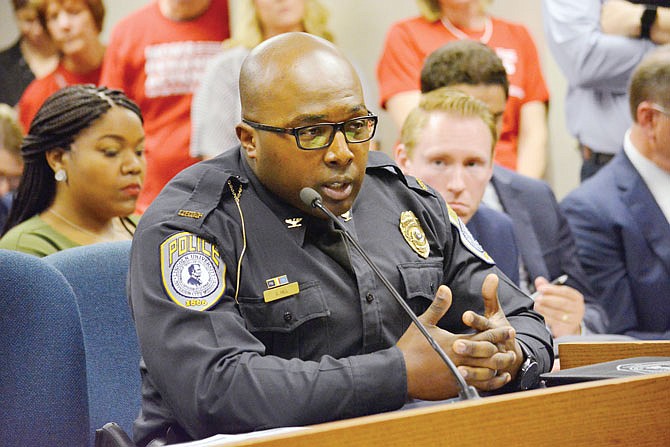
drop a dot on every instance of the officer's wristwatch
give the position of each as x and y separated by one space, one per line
528 376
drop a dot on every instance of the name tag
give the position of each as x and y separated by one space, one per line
280 292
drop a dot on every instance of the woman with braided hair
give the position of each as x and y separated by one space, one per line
84 168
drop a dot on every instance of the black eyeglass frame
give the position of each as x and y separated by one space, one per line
336 127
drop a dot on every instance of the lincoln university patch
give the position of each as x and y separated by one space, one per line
193 273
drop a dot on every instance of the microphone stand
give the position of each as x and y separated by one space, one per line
465 391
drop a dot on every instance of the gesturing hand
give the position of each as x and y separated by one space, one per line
493 320
429 378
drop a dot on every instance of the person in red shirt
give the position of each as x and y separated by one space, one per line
158 56
522 144
74 27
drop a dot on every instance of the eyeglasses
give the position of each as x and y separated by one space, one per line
661 109
320 136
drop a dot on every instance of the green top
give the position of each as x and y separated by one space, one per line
36 237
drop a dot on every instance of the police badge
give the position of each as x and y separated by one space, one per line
410 227
192 271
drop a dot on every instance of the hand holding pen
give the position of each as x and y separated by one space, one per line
558 281
561 306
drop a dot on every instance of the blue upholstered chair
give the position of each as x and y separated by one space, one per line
43 396
97 274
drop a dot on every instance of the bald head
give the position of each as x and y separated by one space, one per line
297 80
289 64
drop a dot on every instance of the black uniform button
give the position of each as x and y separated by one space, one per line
369 297
288 316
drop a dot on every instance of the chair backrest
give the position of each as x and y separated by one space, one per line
43 396
97 274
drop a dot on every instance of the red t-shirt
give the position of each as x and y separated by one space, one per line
410 41
40 89
159 63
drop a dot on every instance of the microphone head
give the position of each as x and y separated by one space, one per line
310 197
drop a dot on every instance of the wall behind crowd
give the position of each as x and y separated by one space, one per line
360 28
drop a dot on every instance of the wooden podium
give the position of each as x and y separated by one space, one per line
622 412
577 354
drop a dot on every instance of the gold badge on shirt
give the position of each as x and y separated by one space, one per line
413 233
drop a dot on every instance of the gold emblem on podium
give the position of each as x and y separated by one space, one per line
413 233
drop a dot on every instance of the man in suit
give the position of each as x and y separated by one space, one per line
621 216
546 245
448 141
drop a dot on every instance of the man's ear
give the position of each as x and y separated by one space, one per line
57 158
402 157
646 118
247 137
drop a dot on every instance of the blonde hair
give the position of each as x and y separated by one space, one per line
431 11
246 30
445 100
11 135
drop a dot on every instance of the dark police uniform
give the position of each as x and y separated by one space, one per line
280 333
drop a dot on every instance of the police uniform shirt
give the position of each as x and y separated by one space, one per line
279 333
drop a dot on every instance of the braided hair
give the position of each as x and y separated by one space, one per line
57 123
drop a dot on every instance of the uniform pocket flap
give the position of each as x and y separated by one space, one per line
286 314
421 279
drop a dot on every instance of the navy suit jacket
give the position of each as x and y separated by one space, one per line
624 244
546 244
495 233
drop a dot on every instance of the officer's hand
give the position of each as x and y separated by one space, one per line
489 325
427 376
561 306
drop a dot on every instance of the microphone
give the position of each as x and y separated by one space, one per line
313 199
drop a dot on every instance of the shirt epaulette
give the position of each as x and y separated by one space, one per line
211 187
378 161
418 185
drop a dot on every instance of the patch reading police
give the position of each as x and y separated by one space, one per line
193 274
467 238
410 227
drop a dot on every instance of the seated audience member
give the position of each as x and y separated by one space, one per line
74 26
621 216
448 142
33 55
546 245
11 163
216 103
158 56
523 137
84 168
290 326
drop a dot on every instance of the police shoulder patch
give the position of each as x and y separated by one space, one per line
192 271
467 238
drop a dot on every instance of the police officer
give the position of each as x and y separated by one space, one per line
289 325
